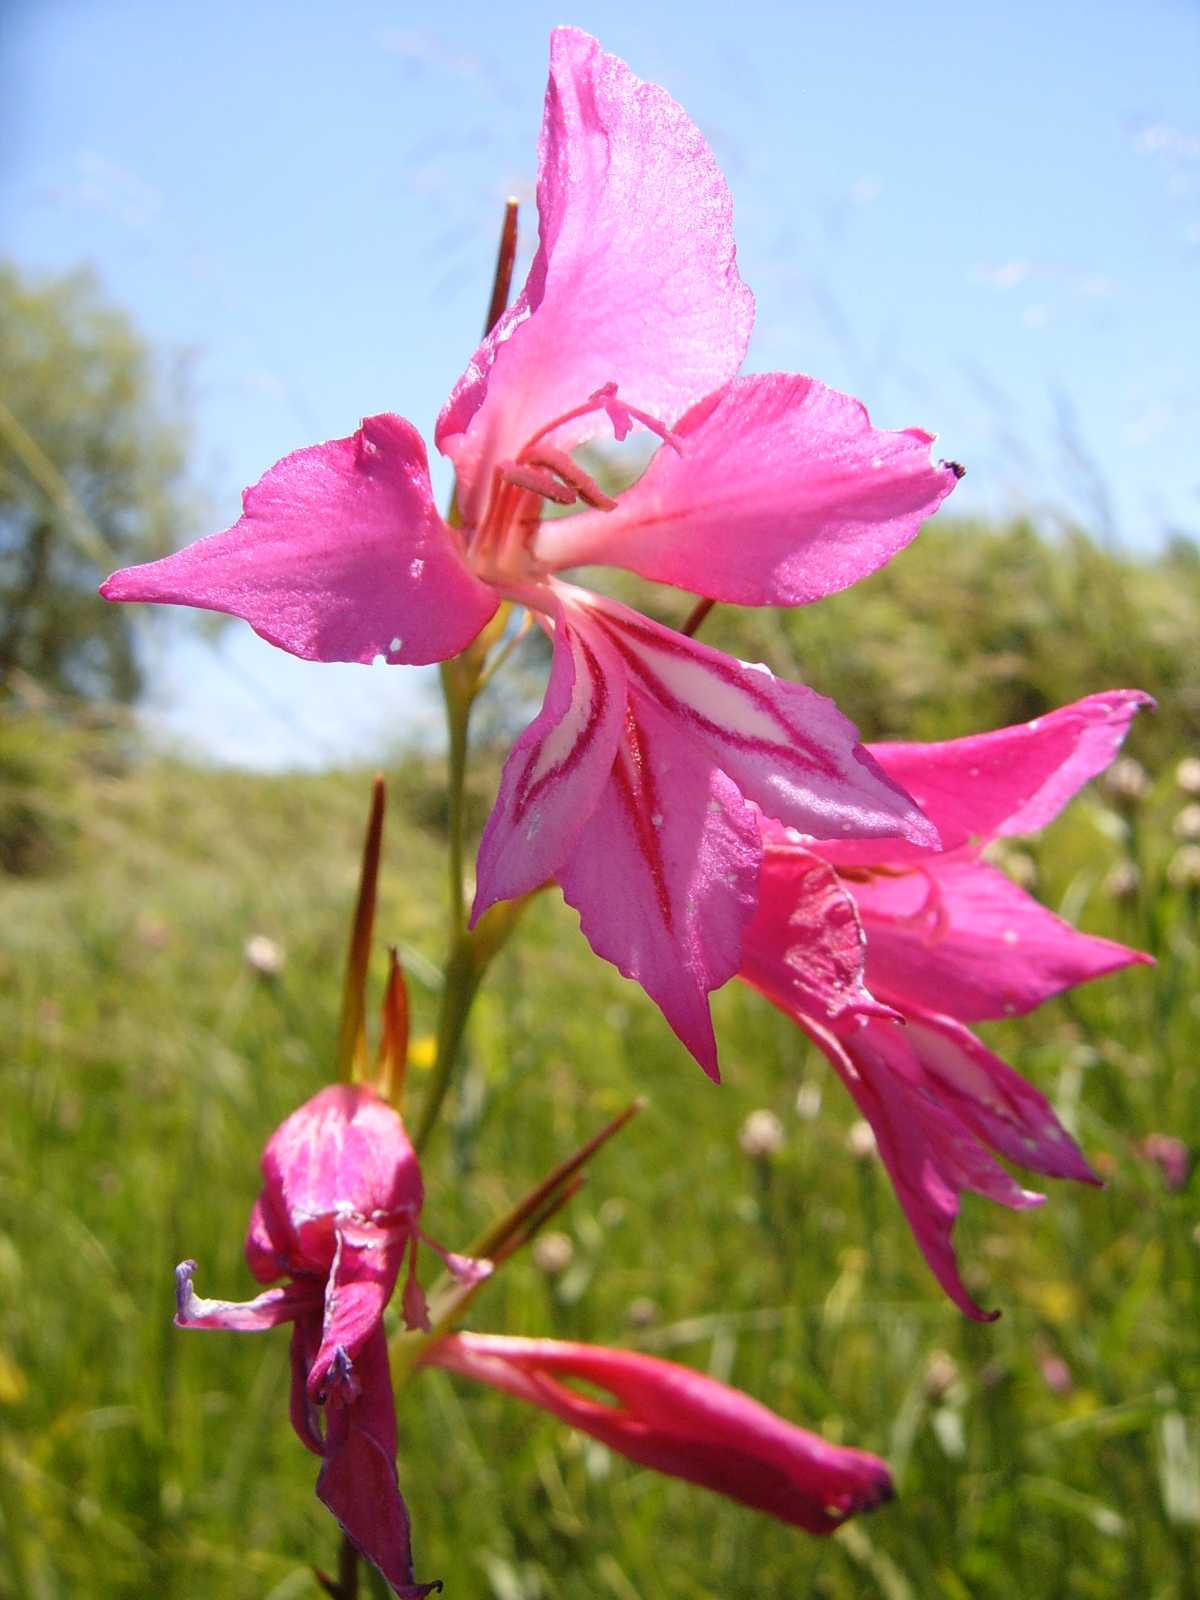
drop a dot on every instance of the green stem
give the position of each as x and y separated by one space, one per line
458 991
460 684
458 690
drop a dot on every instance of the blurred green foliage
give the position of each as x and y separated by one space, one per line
1054 1455
92 447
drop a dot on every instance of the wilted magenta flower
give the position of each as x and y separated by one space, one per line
882 955
337 1214
636 784
679 1422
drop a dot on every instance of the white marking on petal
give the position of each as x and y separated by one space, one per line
563 737
714 697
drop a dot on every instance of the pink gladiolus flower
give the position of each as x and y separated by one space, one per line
635 786
679 1422
337 1214
882 956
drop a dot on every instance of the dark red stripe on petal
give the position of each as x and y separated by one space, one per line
634 781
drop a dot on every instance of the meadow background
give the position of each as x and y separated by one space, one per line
1055 1453
982 220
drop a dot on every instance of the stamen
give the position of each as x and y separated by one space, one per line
539 480
560 463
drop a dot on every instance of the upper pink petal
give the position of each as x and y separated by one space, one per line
663 872
634 282
787 748
959 937
342 1156
339 555
805 947
781 492
358 1481
930 1153
559 766
681 1422
1011 781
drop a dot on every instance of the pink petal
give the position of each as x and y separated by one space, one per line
559 766
664 871
270 1247
344 1154
634 281
982 949
680 1422
340 555
783 492
358 1481
804 947
265 1311
930 1153
787 748
366 1264
306 1415
996 1103
1011 781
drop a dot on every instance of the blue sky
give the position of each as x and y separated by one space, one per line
981 219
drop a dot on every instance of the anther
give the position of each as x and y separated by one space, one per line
623 417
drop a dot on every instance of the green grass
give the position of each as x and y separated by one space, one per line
145 1064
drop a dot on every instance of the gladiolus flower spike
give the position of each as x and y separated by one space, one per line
337 1216
679 1422
636 786
883 955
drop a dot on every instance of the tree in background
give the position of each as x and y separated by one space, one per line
92 453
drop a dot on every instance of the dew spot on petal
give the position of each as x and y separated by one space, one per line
395 644
1010 936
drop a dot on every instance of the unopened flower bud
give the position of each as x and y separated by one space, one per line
1187 775
808 1102
1122 880
264 956
1183 869
1187 823
1126 782
761 1136
860 1140
643 1312
553 1254
941 1375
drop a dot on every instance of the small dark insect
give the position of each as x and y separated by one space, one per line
955 467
